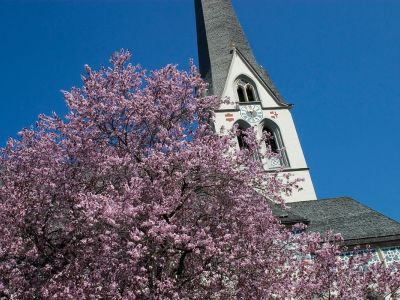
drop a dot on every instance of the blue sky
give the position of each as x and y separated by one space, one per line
337 61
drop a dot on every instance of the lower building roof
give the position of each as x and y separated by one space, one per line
358 224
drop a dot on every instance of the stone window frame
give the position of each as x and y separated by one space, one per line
272 127
245 90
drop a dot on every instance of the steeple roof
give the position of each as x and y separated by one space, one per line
218 34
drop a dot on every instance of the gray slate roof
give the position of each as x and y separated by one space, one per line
286 216
357 223
218 32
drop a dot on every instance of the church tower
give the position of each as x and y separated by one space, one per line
227 63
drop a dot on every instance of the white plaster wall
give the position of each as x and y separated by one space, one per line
220 120
229 114
307 191
239 67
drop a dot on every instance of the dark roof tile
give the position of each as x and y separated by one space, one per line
344 215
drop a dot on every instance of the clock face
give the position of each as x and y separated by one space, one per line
251 113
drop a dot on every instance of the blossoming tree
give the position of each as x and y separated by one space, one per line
133 196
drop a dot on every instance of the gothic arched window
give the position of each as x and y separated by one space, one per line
250 93
241 96
246 90
242 126
274 142
241 137
242 141
271 141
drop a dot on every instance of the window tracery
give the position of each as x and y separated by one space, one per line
391 254
373 252
274 144
246 91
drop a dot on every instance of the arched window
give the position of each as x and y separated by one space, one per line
250 93
274 142
246 90
242 125
241 96
271 141
242 141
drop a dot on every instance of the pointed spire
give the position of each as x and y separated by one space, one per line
218 33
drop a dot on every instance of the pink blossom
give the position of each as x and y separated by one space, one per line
133 196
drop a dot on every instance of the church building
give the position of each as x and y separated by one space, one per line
228 64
